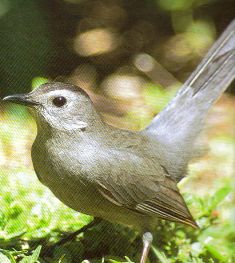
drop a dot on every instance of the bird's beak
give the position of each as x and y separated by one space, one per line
23 99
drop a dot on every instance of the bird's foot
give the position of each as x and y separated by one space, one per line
147 241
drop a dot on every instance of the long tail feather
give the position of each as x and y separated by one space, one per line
178 125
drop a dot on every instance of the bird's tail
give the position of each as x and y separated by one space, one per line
178 125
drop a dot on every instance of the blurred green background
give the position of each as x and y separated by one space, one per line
130 56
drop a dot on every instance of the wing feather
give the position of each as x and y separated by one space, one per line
145 193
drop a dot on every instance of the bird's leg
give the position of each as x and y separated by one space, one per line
79 231
147 241
72 236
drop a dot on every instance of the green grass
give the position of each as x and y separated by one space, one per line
31 218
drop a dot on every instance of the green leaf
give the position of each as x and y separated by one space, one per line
218 197
38 81
5 259
128 260
216 253
8 255
115 261
160 255
36 253
33 258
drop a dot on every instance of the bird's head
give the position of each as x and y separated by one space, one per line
58 105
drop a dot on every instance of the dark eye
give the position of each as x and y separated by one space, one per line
59 101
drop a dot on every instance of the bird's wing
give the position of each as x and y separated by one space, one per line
140 184
178 125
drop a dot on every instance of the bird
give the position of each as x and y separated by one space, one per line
126 177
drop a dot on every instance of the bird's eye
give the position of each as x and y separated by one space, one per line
59 101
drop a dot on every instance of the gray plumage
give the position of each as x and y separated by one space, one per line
98 169
124 176
179 124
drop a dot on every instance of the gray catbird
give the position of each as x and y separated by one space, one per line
124 176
